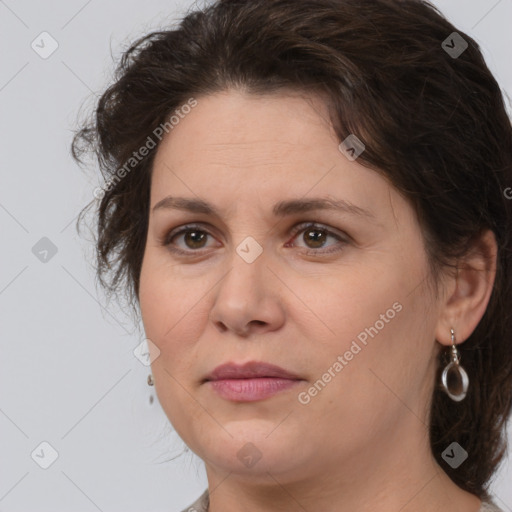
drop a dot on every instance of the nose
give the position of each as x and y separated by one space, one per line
247 299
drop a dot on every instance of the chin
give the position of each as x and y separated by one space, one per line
253 452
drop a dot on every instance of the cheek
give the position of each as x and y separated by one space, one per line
172 310
159 303
150 300
382 332
159 293
164 309
360 305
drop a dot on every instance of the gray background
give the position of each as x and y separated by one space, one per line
68 375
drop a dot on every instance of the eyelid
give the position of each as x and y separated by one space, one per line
168 236
341 236
316 225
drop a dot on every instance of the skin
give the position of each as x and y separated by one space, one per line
361 443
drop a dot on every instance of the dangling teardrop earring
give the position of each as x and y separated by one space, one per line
462 376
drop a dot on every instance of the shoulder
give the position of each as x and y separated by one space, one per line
200 505
489 506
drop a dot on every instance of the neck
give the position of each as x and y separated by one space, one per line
396 474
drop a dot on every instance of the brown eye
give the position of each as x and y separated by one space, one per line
193 239
316 236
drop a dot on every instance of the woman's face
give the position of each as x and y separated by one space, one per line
343 306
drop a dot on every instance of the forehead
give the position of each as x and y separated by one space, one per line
246 128
236 149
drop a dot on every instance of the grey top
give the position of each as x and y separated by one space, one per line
202 503
486 507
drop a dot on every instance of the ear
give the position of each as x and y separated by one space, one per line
469 291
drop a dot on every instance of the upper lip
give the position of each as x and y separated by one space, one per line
252 369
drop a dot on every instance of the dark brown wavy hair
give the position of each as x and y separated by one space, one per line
433 123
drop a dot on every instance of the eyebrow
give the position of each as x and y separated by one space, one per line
280 209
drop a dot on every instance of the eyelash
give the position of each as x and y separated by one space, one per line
167 239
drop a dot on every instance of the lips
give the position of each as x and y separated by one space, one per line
251 382
250 370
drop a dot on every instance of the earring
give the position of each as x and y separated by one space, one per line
151 382
462 376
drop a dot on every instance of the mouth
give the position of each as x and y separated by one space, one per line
250 382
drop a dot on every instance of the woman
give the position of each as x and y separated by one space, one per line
307 200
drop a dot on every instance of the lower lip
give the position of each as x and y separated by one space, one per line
250 390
